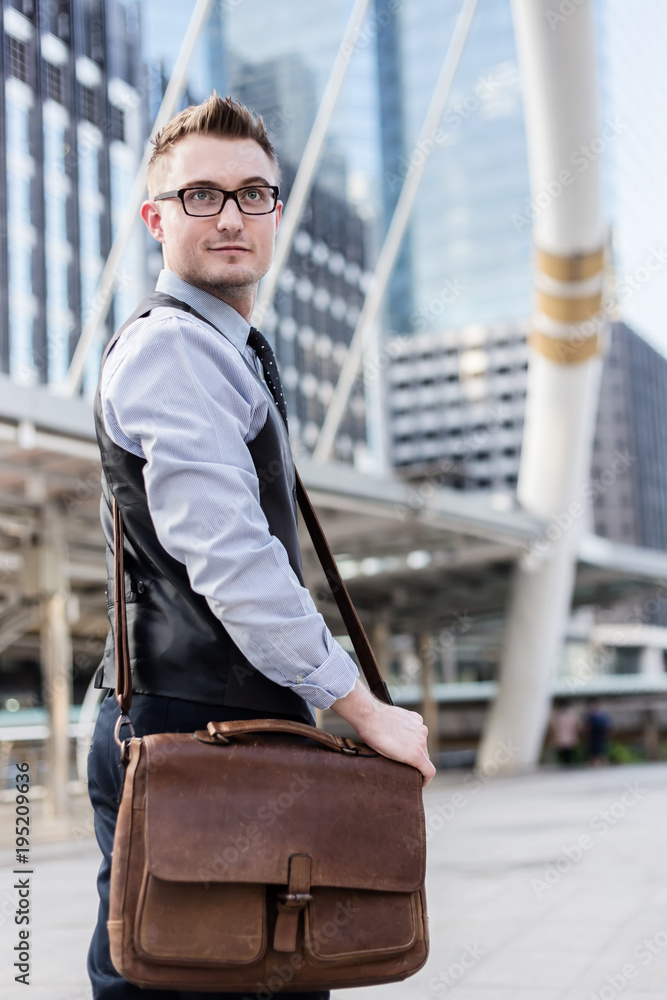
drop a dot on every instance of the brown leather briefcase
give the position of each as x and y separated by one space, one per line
265 855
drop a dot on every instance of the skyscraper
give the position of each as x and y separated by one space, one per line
476 175
73 132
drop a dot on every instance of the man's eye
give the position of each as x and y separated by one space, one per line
201 195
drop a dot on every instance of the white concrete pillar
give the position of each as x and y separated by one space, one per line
651 662
559 93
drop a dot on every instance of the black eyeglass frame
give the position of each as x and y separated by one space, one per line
234 195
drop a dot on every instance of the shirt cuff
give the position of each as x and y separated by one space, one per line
332 680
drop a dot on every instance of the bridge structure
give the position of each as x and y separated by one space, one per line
415 556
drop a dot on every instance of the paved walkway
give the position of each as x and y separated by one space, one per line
548 887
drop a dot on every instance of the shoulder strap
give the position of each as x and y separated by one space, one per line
355 629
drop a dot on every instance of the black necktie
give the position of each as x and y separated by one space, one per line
264 352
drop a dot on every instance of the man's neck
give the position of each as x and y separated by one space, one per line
241 299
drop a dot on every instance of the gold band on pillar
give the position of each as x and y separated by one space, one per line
563 350
575 267
569 310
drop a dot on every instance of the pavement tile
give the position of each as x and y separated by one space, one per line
526 968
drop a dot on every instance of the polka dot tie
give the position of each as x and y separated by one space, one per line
264 352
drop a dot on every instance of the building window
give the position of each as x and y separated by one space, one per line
54 82
17 58
117 124
87 104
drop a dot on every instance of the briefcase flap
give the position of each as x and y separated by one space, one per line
237 812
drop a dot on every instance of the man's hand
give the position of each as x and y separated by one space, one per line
393 732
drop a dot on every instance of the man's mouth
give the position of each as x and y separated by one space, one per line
230 248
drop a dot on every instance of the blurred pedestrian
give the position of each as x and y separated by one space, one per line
597 727
566 731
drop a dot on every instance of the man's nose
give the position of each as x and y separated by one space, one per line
231 216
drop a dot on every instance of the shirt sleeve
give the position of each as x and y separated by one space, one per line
182 398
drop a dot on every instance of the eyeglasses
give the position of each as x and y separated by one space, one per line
258 199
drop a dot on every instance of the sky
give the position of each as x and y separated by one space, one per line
635 35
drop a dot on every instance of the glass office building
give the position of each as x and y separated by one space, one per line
471 263
72 138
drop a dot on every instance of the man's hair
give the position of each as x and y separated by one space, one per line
221 117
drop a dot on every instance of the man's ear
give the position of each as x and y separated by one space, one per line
153 220
278 213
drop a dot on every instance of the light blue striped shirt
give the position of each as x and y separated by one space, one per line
177 393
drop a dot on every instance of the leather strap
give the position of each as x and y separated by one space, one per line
355 629
362 646
291 903
123 669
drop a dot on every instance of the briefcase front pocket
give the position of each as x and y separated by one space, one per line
341 926
211 923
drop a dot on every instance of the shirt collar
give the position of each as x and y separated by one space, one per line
224 317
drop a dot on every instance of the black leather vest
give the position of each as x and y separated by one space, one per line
178 648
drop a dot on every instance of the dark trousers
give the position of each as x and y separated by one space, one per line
150 714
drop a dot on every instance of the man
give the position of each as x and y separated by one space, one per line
220 625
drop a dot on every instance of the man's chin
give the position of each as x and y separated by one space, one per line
216 283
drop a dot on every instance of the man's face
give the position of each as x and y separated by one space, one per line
224 254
